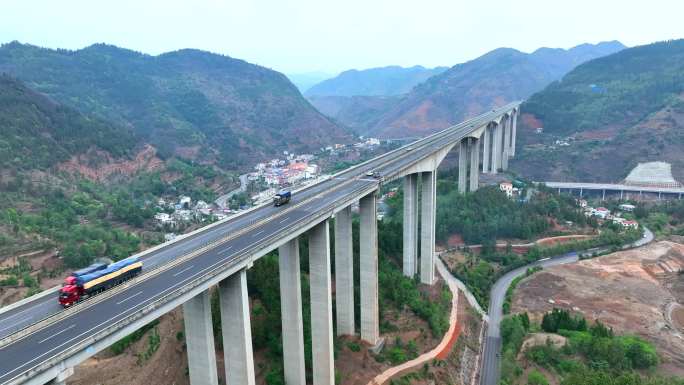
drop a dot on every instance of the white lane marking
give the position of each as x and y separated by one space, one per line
56 334
284 220
15 324
183 271
23 311
225 250
124 313
256 234
126 299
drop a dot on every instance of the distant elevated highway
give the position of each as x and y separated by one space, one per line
624 191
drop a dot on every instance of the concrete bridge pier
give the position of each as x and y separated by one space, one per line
514 129
486 149
344 273
291 313
506 152
463 165
474 164
496 149
236 330
468 165
368 261
410 225
199 338
427 227
321 305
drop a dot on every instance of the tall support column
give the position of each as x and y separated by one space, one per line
506 143
291 313
463 166
344 273
514 129
199 338
474 164
410 225
427 228
368 263
496 149
236 330
486 149
321 305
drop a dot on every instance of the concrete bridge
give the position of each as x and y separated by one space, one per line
41 343
622 191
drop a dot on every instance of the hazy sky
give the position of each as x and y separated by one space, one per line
296 36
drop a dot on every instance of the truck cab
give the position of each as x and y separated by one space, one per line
68 295
282 197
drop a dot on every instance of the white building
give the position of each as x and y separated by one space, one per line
162 218
185 201
627 207
600 212
630 224
506 187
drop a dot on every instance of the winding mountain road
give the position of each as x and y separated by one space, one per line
492 349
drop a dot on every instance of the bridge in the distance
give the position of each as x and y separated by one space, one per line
41 343
623 191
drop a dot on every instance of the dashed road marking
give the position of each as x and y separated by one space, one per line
183 271
126 299
56 334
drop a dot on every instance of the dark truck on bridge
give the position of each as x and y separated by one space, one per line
96 278
282 197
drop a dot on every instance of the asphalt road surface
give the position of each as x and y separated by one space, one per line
251 232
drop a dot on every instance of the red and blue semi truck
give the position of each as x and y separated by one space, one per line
97 278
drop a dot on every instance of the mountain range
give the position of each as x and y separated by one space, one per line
609 113
382 81
464 90
189 103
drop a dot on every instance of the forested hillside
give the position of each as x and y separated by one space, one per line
187 103
468 89
614 112
37 133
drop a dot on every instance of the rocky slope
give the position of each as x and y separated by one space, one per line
613 112
187 103
467 89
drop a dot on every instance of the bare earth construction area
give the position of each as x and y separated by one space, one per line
637 291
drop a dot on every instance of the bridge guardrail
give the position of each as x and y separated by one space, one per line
55 317
215 270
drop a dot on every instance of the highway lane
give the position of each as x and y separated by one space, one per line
20 356
43 307
490 364
387 163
